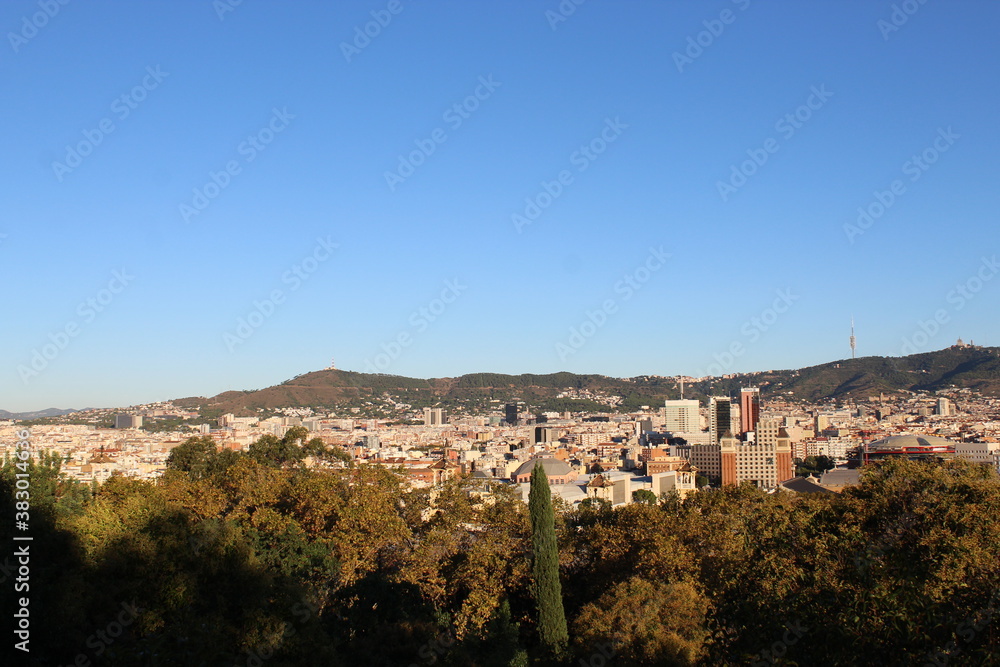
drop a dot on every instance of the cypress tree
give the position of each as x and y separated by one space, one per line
545 565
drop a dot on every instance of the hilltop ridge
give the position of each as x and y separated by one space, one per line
974 368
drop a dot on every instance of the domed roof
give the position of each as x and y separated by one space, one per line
911 441
552 467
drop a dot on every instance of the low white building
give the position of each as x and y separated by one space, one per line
979 452
681 481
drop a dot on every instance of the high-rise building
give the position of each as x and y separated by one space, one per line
943 407
128 421
765 464
822 423
681 416
510 414
720 417
433 416
707 460
749 409
546 434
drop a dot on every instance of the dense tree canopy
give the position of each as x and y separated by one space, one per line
235 558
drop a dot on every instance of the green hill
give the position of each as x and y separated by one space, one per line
850 379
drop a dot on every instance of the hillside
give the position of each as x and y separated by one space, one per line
851 379
977 369
37 414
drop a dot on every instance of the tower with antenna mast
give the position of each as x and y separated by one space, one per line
854 341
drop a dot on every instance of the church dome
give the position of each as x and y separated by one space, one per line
911 441
552 467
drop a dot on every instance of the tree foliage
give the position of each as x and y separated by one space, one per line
814 465
250 558
545 565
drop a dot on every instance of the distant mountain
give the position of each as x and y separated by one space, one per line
972 368
38 414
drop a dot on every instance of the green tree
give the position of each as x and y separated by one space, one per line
270 451
644 496
545 565
814 465
646 623
192 456
318 450
594 506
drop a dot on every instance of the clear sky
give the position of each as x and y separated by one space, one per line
689 174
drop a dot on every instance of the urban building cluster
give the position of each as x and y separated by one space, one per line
682 445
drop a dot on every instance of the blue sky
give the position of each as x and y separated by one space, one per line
644 125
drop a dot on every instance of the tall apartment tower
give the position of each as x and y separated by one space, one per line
729 450
765 462
128 421
720 417
772 434
510 414
707 459
433 416
943 407
749 409
681 416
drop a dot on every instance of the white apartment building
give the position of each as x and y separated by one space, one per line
979 452
681 416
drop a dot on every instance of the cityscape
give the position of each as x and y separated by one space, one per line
573 333
726 440
607 465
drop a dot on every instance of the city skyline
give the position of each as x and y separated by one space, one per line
734 399
211 199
